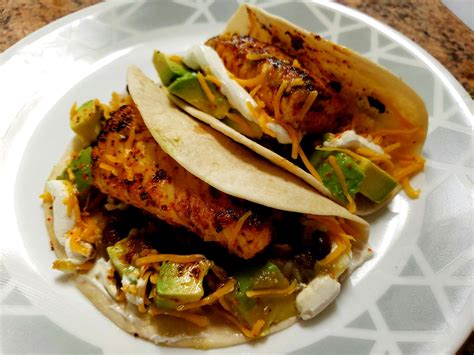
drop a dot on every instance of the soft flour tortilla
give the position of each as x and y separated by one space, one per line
230 168
163 330
360 77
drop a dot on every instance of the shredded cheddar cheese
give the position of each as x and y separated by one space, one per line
308 165
296 64
158 258
46 197
200 321
213 297
295 82
213 79
409 170
207 91
277 99
307 104
257 56
255 90
240 223
273 292
68 266
176 58
342 180
249 333
108 168
369 153
295 139
410 191
250 83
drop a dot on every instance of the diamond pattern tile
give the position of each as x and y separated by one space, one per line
411 269
364 321
445 234
411 308
446 145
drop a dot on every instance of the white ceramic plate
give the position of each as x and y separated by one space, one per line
414 296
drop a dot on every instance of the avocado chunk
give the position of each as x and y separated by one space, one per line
117 254
168 70
377 185
271 309
188 88
81 168
180 283
251 130
362 176
85 122
352 172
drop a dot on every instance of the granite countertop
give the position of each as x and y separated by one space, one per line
427 22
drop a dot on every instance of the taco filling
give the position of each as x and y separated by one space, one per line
270 95
163 243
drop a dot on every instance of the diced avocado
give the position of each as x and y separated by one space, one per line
353 173
188 88
86 121
362 176
270 309
180 283
254 132
167 69
117 254
81 168
377 185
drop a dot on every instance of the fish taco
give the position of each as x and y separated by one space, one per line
343 124
184 237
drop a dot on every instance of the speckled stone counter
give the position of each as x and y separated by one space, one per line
433 26
426 22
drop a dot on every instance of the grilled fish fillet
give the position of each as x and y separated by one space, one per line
247 58
129 165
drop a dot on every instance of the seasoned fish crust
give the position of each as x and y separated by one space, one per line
129 165
247 58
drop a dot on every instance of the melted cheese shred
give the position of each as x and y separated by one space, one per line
213 79
249 333
200 321
257 56
176 58
274 292
277 99
308 165
250 83
210 96
410 191
351 206
213 297
68 266
158 258
240 223
295 139
46 197
108 168
255 90
307 104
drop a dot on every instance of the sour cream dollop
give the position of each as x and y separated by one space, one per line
351 140
206 58
62 194
317 296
